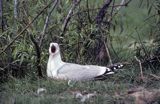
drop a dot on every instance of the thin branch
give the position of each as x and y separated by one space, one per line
1 15
112 8
99 20
111 13
108 53
94 9
15 9
67 19
102 12
140 66
88 12
123 3
47 22
155 76
38 52
26 27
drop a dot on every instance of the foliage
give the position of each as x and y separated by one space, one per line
82 42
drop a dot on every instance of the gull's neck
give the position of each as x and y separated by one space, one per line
54 63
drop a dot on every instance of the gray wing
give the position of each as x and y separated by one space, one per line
79 72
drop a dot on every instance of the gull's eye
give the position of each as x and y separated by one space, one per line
53 49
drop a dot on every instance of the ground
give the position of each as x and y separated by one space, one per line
116 89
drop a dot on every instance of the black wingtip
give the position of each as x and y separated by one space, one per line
115 67
110 70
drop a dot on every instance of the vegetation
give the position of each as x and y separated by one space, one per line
98 32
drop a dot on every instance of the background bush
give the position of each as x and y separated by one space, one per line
133 31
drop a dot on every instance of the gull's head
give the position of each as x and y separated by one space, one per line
54 48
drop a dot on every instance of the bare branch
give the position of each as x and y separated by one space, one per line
155 76
38 53
99 20
140 65
1 15
67 19
47 22
112 8
89 17
102 12
108 53
122 4
15 9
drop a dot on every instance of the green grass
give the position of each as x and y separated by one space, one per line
24 91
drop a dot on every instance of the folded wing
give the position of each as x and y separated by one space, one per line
77 72
80 72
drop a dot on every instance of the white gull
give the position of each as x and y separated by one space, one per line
58 69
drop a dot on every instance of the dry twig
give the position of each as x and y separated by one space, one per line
140 65
155 76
